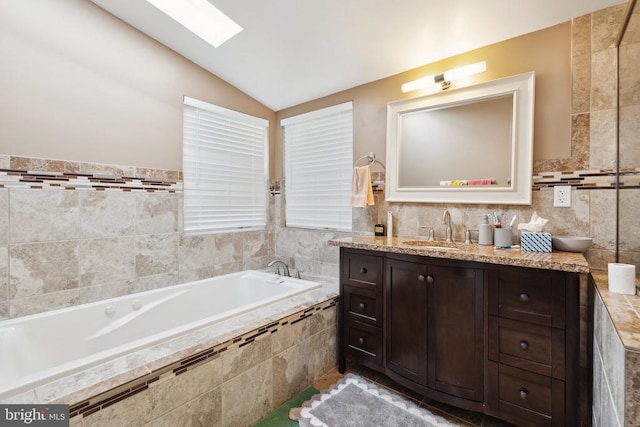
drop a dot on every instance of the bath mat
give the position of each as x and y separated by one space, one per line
355 402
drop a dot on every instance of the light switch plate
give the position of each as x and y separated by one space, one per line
562 196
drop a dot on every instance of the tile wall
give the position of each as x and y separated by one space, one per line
616 358
72 233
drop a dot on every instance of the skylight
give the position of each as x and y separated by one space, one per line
201 18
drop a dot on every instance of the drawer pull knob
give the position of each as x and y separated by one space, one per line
524 345
363 270
430 279
422 278
361 340
524 297
524 394
361 306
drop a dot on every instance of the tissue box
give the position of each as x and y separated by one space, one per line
535 242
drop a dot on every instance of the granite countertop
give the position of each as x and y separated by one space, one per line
562 261
624 310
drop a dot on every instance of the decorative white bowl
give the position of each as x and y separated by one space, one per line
571 244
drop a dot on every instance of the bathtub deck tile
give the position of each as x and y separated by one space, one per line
26 397
105 378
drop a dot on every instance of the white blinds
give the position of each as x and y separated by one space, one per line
225 169
318 162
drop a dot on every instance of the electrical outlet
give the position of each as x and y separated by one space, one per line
562 196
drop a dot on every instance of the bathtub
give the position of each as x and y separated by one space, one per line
40 348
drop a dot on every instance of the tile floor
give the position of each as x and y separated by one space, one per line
456 416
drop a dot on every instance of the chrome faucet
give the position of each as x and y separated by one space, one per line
279 263
446 219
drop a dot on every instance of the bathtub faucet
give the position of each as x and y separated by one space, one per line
279 263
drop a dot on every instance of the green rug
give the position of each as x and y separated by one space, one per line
280 417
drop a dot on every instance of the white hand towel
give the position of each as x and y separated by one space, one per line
361 191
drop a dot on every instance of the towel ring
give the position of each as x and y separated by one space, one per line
371 158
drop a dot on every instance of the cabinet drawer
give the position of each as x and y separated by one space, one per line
532 296
362 305
536 348
525 392
363 341
362 270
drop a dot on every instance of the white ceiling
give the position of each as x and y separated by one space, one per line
293 51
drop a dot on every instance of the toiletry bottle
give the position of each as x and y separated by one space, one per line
379 230
485 232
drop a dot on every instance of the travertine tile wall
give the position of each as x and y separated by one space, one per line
629 57
616 367
60 247
608 370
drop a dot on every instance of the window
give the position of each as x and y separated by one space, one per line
318 163
225 169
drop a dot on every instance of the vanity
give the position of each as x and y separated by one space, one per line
490 330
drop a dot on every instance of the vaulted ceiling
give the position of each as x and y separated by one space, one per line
293 51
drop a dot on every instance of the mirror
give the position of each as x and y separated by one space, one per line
468 145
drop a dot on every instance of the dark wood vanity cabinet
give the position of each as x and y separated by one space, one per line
496 339
533 336
434 327
361 309
406 320
456 331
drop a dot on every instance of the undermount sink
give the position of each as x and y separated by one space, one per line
431 244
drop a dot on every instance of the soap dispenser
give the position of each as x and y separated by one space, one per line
485 232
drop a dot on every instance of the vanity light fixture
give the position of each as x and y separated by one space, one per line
443 80
201 18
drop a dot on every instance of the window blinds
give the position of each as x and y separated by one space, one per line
225 169
318 161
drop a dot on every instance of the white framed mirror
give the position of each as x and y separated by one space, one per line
467 145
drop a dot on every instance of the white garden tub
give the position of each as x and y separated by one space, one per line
38 349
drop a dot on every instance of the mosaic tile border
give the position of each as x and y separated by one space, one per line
600 179
56 174
12 178
108 398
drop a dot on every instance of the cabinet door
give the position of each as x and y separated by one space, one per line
455 335
406 319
